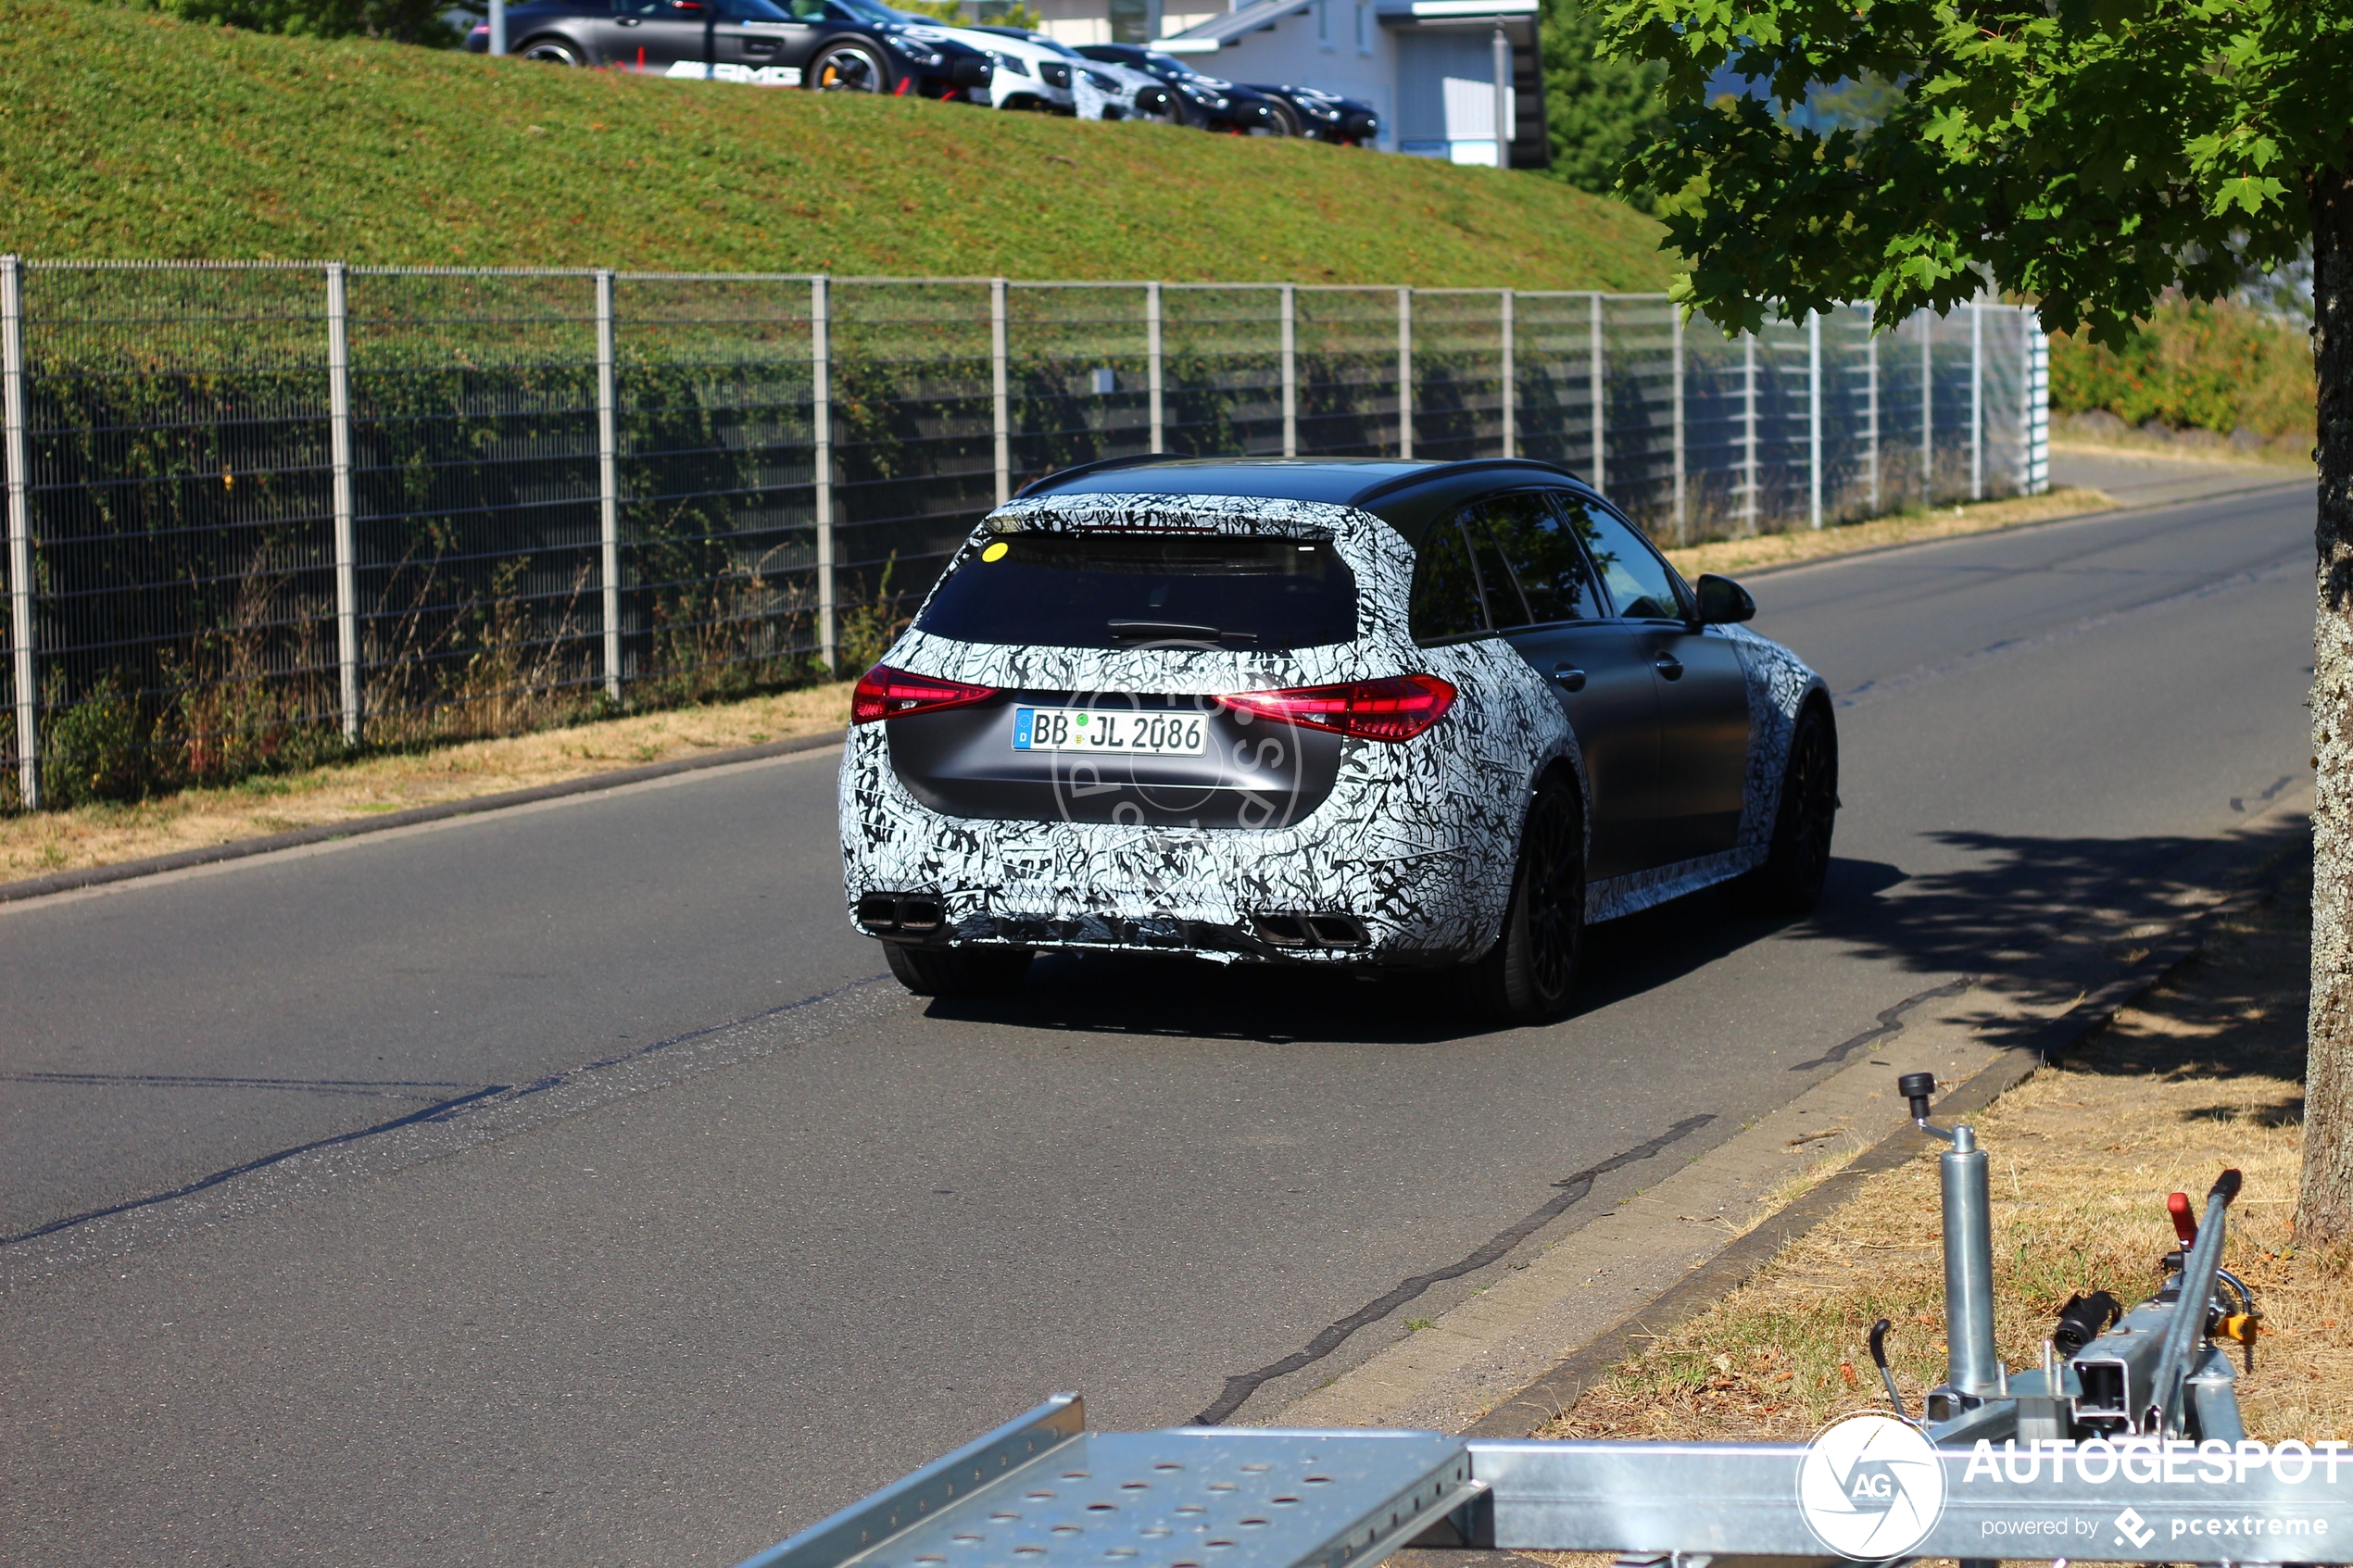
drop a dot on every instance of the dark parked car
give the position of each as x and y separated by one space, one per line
1209 102
1324 117
832 45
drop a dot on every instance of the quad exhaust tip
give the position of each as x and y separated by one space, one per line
914 914
1296 931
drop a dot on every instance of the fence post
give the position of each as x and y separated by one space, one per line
1593 384
1405 374
1683 509
607 487
1000 409
1508 375
1927 407
1870 392
821 409
339 454
1976 402
19 534
1814 418
1290 372
2037 478
1750 498
1151 363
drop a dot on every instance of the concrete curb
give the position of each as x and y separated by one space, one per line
1554 1394
324 832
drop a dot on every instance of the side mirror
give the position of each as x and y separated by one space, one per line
1723 602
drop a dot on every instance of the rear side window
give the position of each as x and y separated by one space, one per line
1447 603
1141 590
1502 563
1540 537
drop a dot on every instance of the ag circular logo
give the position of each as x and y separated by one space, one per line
1871 1487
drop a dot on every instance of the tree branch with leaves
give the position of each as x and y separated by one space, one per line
2089 155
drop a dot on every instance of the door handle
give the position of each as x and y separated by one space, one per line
1569 676
759 45
1671 666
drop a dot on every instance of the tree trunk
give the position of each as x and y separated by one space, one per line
2324 1212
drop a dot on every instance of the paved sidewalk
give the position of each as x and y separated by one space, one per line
2147 478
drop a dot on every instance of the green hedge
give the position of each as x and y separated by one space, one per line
2194 366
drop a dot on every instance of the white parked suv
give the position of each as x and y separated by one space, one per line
1102 89
1028 76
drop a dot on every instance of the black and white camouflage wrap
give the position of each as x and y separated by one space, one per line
1417 840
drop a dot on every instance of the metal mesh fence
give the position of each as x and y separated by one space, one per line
260 514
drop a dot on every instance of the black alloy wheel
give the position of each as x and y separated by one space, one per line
957 972
551 51
848 67
1790 882
1286 122
1529 975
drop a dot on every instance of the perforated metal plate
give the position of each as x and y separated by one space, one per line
1186 1498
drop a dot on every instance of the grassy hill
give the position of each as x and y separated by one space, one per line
125 135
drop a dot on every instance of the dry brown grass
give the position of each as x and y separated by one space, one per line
2206 1073
96 836
1732 556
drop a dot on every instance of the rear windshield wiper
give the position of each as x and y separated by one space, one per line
1173 631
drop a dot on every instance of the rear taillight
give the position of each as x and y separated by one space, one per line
884 692
1396 709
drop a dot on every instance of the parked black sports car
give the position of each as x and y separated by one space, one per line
1209 102
832 45
1324 117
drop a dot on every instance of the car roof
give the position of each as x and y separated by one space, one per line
1405 494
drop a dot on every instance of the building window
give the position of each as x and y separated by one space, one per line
1364 26
1324 23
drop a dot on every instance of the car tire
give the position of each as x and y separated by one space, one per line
1286 124
551 51
958 972
1529 974
1790 882
849 67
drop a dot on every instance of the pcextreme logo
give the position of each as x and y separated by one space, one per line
1871 1487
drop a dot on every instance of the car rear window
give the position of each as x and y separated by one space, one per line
1144 590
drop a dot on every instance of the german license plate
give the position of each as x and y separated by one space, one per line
1090 729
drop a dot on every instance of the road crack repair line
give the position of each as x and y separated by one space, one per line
1573 1191
1891 1022
476 1099
367 1088
443 1107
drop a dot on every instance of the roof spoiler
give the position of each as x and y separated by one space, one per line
1036 486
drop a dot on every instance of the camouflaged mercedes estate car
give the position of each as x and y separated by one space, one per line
1382 714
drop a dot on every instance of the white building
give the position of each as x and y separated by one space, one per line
1436 70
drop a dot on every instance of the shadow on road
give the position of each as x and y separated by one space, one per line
2007 910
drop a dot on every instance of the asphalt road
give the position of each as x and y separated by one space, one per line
799 1233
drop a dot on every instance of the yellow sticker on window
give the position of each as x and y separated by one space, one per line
996 551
